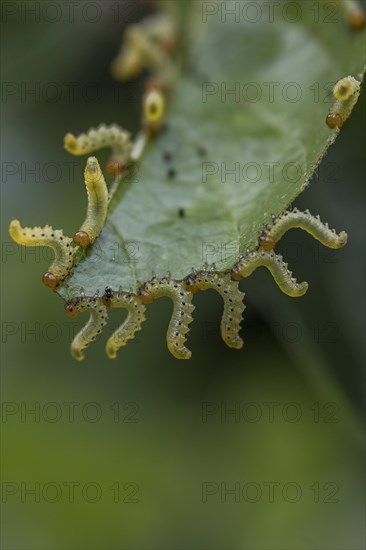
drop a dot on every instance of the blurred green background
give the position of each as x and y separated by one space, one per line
149 445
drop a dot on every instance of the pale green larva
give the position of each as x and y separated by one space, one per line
182 312
233 302
113 137
346 92
146 45
132 323
354 12
97 321
275 264
96 214
52 238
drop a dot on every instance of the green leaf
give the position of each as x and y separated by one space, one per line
273 144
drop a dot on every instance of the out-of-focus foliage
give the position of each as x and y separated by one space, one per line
306 352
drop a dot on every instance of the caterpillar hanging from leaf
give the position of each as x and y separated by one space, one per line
149 45
65 248
295 219
346 92
113 136
52 238
182 292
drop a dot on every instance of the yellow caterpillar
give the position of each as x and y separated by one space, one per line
97 204
302 220
233 302
275 264
182 312
132 323
346 92
53 238
113 136
97 321
153 110
146 45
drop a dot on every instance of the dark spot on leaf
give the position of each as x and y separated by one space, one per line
167 156
201 151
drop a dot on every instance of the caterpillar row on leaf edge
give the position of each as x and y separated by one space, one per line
182 292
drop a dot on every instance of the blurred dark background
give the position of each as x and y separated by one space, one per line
154 446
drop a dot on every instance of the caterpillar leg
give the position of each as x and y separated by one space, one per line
302 220
182 312
96 214
275 264
53 238
132 324
233 302
98 319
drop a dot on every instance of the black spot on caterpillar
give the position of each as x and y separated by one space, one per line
354 12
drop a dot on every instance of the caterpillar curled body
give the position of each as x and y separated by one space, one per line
97 321
346 92
233 302
182 312
275 264
97 192
52 238
302 220
146 45
132 324
113 136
